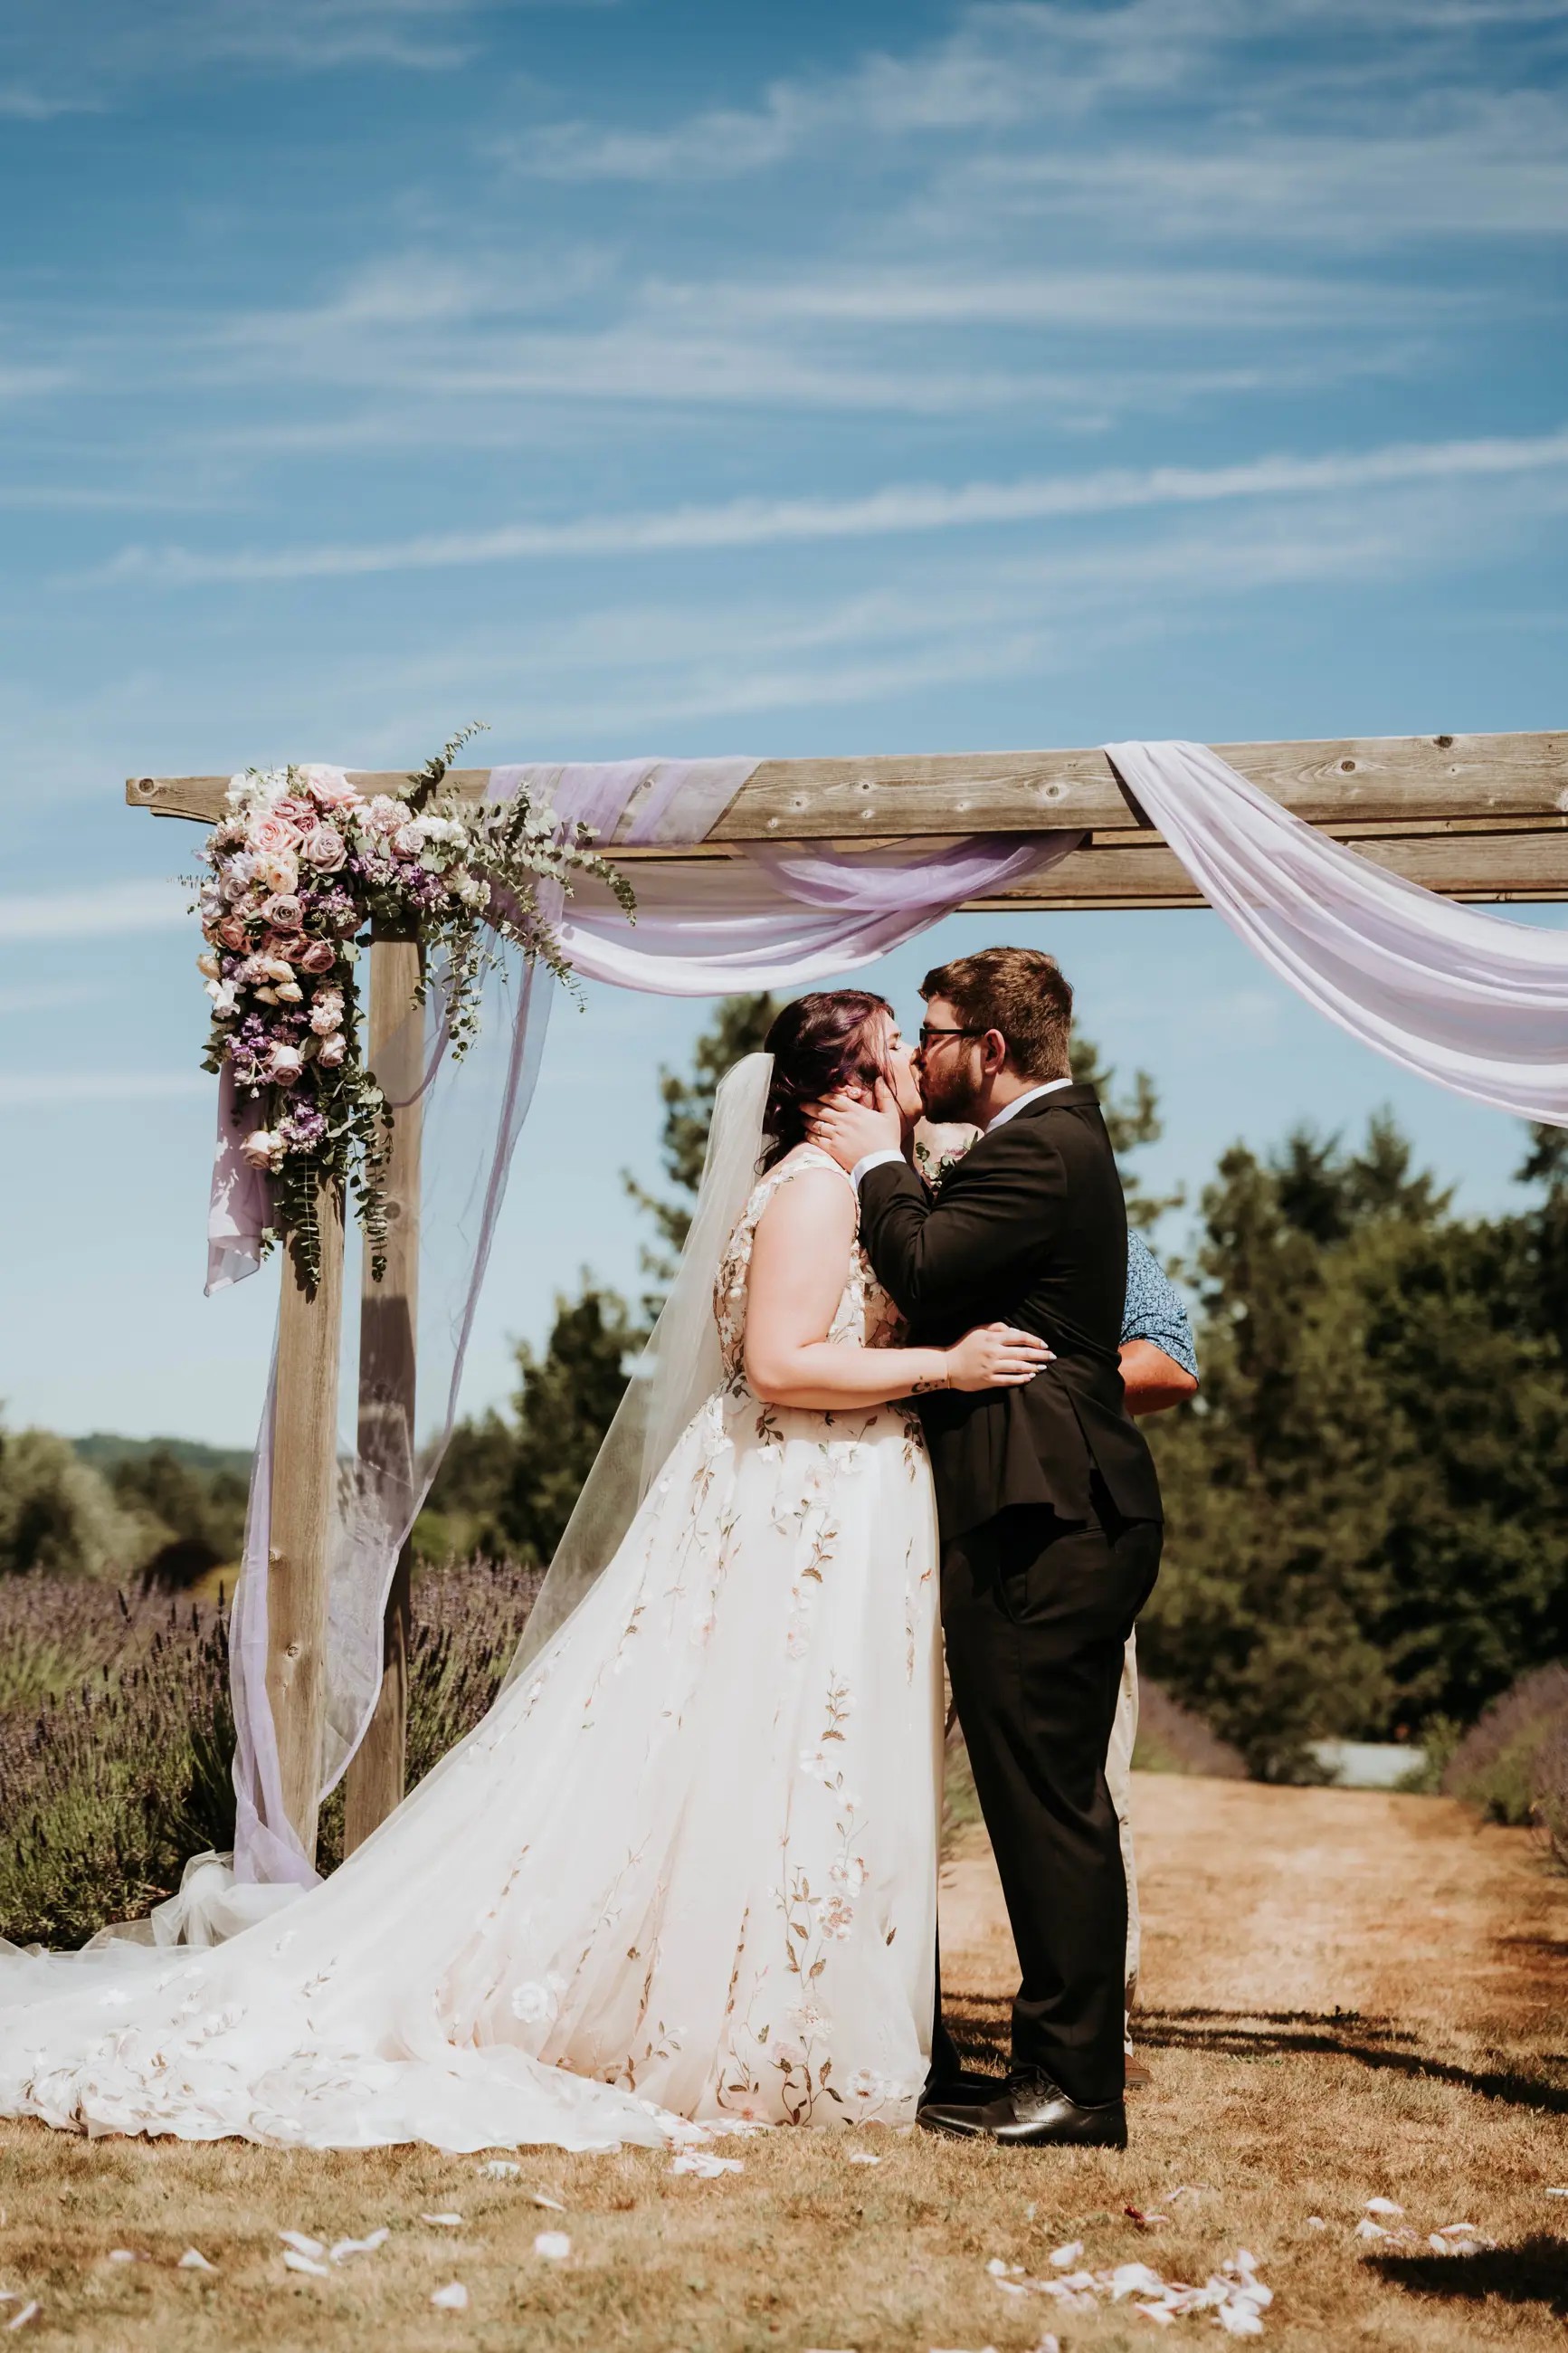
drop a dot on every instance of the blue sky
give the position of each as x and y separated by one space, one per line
687 379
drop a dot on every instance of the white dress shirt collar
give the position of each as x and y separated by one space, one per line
1021 1103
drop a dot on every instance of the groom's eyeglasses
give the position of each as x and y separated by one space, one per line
927 1033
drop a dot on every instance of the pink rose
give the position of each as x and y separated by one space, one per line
284 1063
330 789
327 1012
385 815
325 849
263 1148
408 841
331 1050
283 911
232 934
279 870
318 958
273 836
295 810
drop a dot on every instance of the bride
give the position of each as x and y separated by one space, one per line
683 1874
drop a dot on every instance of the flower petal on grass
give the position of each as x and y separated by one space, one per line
553 2245
366 2246
446 2222
501 2168
29 2311
192 2260
1061 2257
303 2245
453 2298
551 2205
863 2157
1383 2206
703 2162
295 2262
126 2255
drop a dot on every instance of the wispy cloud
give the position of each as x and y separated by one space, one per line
897 511
94 913
1060 73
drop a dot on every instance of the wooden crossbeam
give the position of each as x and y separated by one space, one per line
1366 780
1132 872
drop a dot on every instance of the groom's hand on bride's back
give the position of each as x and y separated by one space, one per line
852 1129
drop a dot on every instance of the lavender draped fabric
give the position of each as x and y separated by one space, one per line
1471 1000
775 921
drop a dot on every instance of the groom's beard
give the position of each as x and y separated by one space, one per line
949 1097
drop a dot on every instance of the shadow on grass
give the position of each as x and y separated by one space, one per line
979 2025
1533 2273
1370 2042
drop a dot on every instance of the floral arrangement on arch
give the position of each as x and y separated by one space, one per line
300 865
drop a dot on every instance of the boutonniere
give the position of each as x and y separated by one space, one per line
939 1149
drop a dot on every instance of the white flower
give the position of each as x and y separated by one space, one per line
225 997
838 1917
808 2020
788 2054
849 1872
326 1011
815 1761
207 962
534 2003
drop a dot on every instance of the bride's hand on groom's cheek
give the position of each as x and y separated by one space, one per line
851 1130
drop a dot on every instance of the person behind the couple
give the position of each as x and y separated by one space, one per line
682 1877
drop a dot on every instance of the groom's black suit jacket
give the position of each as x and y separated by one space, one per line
1030 1229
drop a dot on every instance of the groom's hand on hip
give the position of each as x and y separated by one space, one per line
851 1131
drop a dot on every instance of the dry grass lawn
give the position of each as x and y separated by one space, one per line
1349 1995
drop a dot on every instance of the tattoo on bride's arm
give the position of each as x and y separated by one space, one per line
923 1388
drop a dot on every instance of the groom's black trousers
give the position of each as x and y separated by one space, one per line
1035 1612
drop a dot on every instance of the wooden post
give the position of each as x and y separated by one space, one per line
304 1473
388 1323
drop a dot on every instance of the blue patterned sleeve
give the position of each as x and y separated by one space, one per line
1154 1310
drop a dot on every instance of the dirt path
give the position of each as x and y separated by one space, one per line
1261 1902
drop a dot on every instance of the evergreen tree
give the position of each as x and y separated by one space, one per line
1365 1502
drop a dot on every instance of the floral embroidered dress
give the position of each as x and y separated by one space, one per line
683 1873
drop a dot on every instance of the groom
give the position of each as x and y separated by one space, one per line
1047 1497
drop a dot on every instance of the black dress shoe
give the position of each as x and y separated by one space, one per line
962 2089
1032 2113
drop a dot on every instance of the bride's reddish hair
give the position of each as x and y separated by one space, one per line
819 1043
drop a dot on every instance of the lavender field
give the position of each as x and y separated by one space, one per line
116 1732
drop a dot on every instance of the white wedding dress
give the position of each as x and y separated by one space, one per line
682 1877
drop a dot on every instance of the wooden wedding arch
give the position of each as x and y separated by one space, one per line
1472 817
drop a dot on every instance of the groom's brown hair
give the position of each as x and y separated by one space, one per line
1023 993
